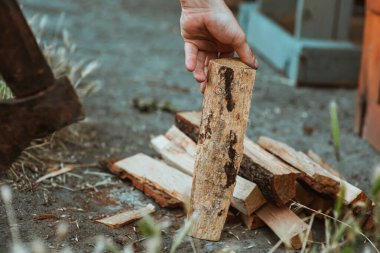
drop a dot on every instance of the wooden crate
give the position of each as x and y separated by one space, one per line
368 97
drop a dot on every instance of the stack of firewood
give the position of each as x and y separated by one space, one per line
273 177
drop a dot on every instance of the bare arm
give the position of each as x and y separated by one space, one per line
211 31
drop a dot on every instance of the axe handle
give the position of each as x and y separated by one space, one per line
22 64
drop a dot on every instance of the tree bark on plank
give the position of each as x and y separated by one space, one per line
311 173
275 178
225 115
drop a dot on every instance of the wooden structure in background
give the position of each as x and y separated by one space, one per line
307 40
368 97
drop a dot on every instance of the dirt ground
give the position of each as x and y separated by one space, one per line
139 47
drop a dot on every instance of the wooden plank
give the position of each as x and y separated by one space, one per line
312 174
353 194
189 122
303 196
226 105
122 219
276 179
284 223
316 158
252 222
166 185
247 196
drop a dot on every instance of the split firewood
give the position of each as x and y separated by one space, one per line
303 196
284 223
252 221
226 105
354 197
353 194
247 196
189 122
166 185
316 158
311 173
122 219
275 179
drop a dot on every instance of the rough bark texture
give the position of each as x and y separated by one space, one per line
189 122
276 179
311 173
225 115
284 223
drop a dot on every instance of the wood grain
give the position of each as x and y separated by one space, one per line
179 152
225 115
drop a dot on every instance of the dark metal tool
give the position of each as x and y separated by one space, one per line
41 104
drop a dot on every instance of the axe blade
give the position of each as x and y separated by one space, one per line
37 116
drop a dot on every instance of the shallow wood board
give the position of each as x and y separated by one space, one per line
284 223
166 185
122 219
311 173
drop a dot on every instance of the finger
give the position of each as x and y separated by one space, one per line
203 87
191 52
199 72
246 55
226 55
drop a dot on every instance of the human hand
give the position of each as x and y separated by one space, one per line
211 31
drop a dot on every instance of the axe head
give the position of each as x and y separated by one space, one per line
37 116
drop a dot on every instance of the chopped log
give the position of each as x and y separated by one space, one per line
311 173
226 105
276 179
247 196
284 223
354 197
252 222
316 158
189 122
122 219
166 185
321 204
180 139
303 196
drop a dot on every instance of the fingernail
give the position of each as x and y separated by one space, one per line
256 64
